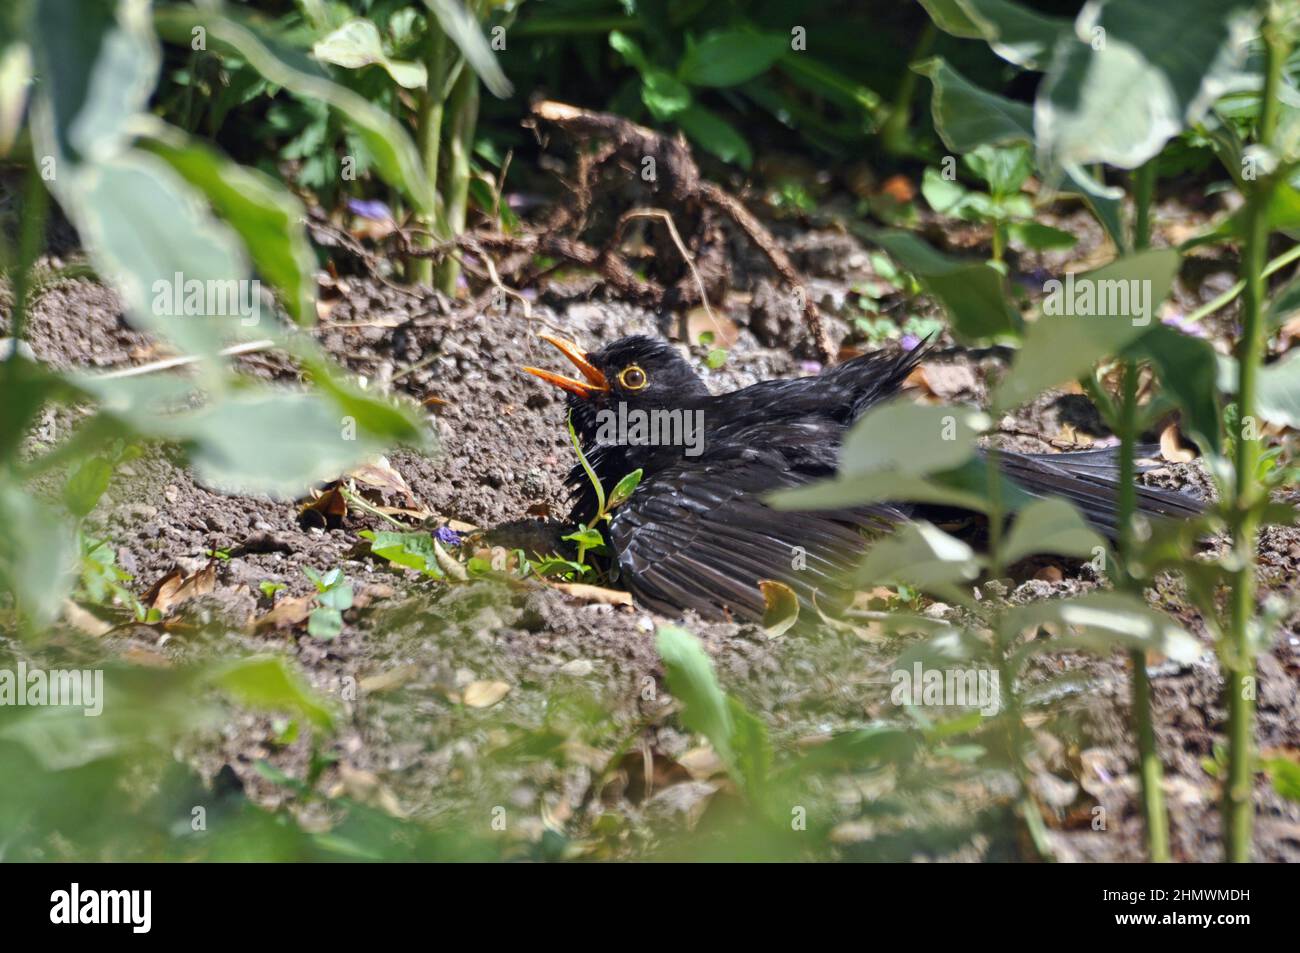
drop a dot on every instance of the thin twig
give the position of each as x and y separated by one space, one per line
167 364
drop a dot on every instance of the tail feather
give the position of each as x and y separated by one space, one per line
1090 480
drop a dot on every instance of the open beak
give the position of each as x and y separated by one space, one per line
595 381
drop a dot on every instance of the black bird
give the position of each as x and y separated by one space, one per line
696 532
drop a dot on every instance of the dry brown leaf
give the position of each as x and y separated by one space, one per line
484 694
382 476
700 321
84 621
330 505
589 593
949 380
1172 447
390 680
702 763
175 587
288 612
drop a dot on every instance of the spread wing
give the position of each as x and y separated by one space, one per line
699 536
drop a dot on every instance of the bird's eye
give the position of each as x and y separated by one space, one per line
632 377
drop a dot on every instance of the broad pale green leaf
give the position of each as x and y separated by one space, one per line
1279 391
966 487
1050 526
691 678
150 235
267 681
36 555
1018 35
1111 306
1040 237
971 292
624 488
922 555
1102 622
911 439
730 57
97 64
714 134
412 550
966 116
356 44
15 79
1187 366
664 94
463 30
267 217
1118 89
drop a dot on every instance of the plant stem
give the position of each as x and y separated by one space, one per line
1144 187
1238 656
894 134
36 203
1149 769
463 109
428 135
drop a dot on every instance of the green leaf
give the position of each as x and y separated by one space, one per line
143 225
462 29
1060 347
1041 237
911 439
731 57
738 736
37 553
1185 365
627 48
1050 526
412 550
267 217
1102 622
664 95
1115 94
1004 168
1279 391
965 487
624 488
945 196
966 116
356 44
266 681
1285 775
921 555
1018 35
715 135
971 292
325 623
15 79
97 63
691 678
86 485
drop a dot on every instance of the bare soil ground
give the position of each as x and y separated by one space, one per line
585 740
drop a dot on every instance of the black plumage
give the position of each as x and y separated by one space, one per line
697 534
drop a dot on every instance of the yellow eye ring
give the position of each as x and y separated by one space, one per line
632 377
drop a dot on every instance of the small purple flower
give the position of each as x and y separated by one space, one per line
910 341
447 536
810 367
372 209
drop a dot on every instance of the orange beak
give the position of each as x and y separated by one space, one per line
595 381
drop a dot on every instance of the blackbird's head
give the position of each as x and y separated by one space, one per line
639 371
